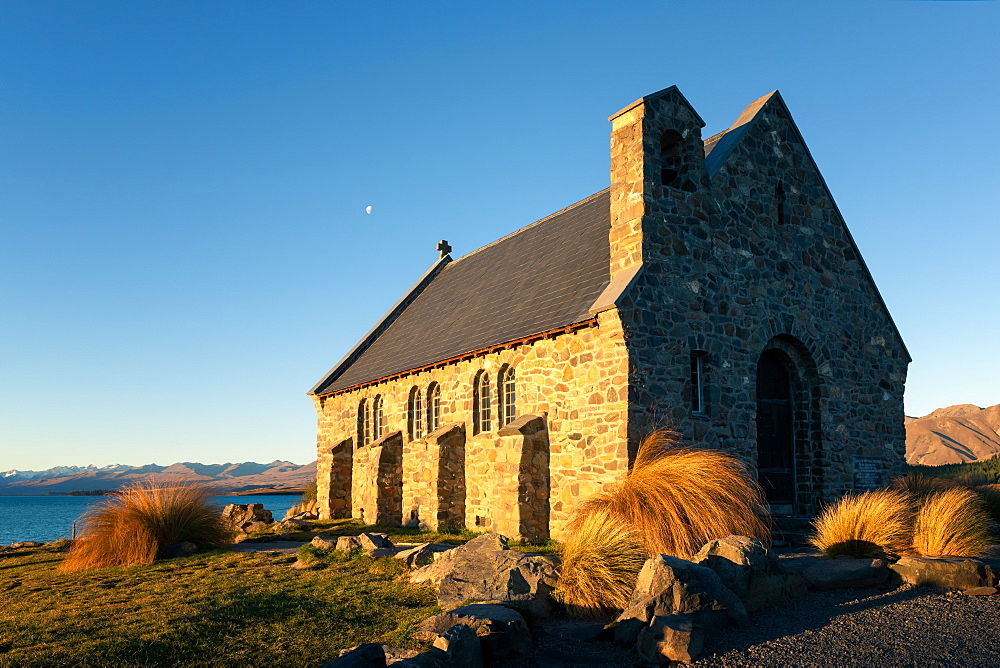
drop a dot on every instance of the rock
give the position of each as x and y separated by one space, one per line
394 655
421 660
669 586
27 543
489 542
374 541
293 525
324 543
238 516
502 632
947 572
503 576
436 571
459 646
477 572
255 526
380 552
421 555
363 656
846 572
671 638
748 568
348 544
177 550
981 591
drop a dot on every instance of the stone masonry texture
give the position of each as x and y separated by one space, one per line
750 258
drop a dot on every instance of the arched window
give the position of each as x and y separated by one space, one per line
507 396
378 418
415 413
364 422
482 403
433 407
671 143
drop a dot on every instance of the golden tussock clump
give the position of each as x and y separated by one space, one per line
600 562
875 524
135 525
953 522
678 498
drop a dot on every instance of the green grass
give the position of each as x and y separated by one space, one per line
219 608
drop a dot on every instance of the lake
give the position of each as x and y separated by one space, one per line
48 518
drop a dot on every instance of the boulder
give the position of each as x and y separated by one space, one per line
363 656
502 631
374 541
671 638
239 516
348 544
26 543
484 570
293 524
670 586
981 591
421 555
459 646
845 572
947 572
748 568
325 543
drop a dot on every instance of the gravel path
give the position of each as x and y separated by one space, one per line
904 626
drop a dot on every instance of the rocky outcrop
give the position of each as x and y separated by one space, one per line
502 632
246 517
483 570
948 572
749 569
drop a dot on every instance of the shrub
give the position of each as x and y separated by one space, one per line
921 487
875 524
953 522
137 524
677 499
600 562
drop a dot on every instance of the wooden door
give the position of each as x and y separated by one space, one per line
775 435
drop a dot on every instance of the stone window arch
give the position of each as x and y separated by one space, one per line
415 413
506 395
482 403
378 417
671 146
433 407
364 422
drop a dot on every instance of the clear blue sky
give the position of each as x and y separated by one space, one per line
184 245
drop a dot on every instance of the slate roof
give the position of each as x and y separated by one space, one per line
539 278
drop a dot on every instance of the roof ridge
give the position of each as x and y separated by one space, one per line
530 225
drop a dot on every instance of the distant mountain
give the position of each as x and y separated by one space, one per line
953 435
222 478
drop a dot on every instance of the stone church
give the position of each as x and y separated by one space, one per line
714 288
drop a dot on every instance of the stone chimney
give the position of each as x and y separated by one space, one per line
657 170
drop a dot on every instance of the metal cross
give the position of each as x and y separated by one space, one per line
443 247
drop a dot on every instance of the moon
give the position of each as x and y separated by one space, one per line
368 209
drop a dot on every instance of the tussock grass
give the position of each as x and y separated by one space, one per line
875 524
137 524
600 562
677 499
952 522
920 486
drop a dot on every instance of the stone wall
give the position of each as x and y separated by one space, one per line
377 489
577 380
724 275
434 479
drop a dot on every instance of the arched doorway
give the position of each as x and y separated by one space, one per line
776 430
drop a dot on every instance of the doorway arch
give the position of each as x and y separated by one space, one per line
789 454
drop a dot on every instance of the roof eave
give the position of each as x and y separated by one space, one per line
383 323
